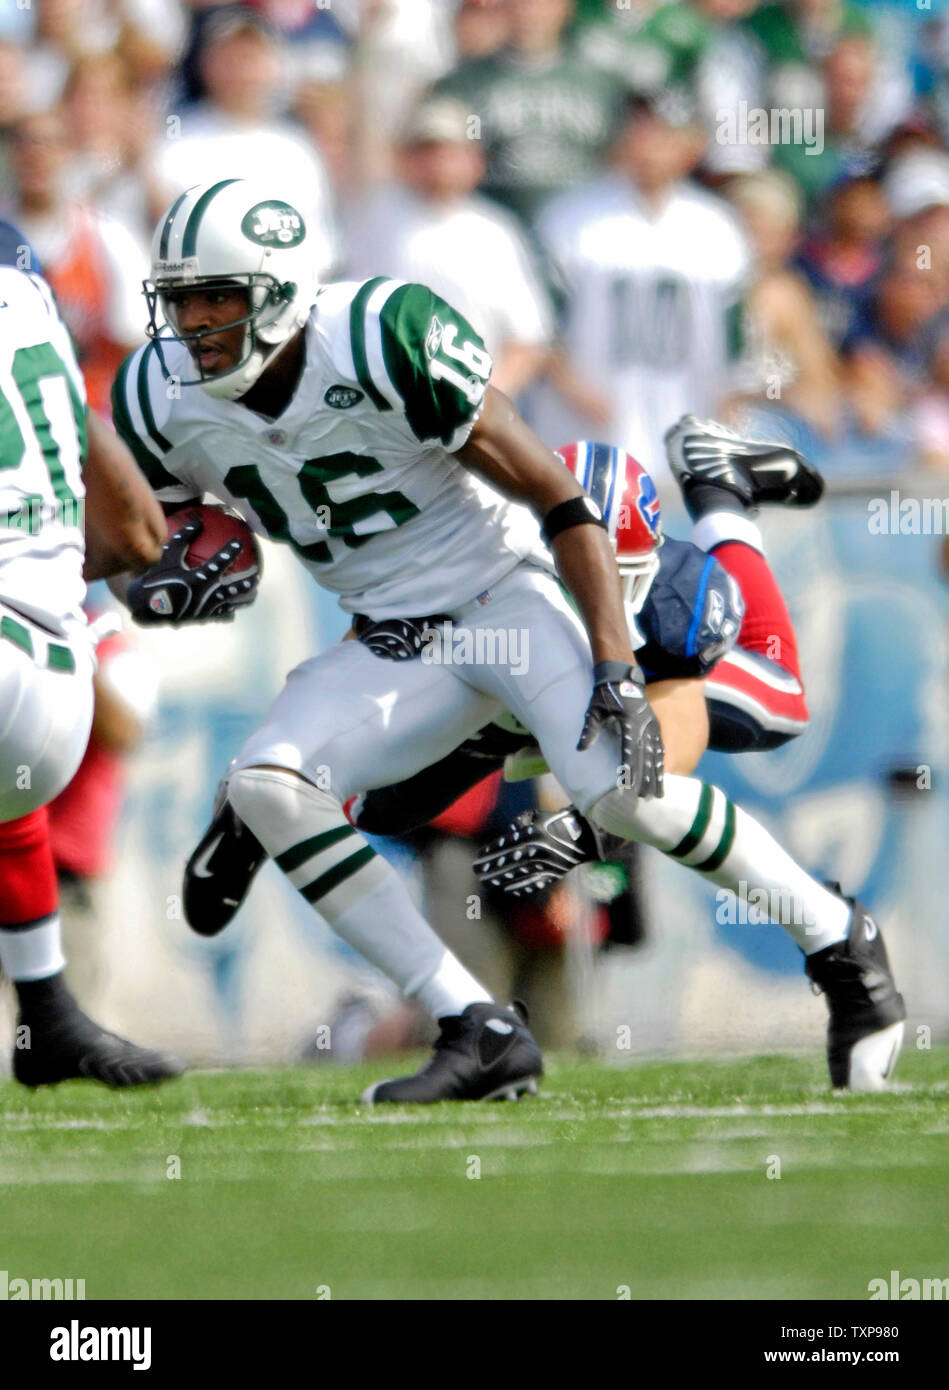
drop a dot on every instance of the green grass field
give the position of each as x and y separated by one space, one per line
653 1177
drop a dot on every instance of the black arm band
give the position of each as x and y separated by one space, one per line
576 511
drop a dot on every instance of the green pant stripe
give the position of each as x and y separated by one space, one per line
338 874
17 634
719 855
698 827
296 855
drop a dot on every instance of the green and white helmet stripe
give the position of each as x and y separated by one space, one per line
179 231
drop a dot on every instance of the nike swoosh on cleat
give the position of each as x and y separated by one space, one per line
200 869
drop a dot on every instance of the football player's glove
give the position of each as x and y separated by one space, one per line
619 695
537 850
172 592
398 639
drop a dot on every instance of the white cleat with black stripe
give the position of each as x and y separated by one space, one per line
865 1031
703 452
485 1053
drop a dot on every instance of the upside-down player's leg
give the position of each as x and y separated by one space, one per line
755 694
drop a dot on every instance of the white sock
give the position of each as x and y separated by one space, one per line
717 527
696 824
358 893
33 951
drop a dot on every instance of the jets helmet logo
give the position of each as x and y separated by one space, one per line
274 224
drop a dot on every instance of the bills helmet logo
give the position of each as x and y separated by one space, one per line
627 497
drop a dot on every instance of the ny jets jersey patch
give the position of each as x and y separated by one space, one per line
342 397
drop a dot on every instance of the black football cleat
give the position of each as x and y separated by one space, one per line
485 1053
865 1031
705 453
536 850
220 871
73 1047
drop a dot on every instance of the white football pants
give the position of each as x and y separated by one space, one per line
46 702
349 721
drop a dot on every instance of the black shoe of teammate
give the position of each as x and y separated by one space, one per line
70 1046
703 453
485 1053
220 871
865 1031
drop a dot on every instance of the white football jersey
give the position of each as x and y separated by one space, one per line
651 303
357 473
42 444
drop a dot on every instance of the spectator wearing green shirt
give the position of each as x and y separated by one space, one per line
546 113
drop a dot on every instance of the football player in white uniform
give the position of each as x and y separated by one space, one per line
706 622
48 474
357 425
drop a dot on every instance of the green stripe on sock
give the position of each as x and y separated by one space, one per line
338 874
296 855
718 856
699 826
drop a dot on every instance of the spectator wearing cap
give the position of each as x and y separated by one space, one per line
432 227
94 264
233 133
652 269
546 113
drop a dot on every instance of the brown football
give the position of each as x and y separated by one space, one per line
218 527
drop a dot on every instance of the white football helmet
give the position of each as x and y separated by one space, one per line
218 235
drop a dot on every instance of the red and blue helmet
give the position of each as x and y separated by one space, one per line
627 497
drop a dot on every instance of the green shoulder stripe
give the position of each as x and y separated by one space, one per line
145 404
357 333
435 360
158 477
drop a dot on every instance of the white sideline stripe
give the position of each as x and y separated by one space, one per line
375 360
727 695
768 673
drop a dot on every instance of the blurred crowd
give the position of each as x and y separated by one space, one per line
644 207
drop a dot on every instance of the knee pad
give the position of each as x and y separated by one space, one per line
280 807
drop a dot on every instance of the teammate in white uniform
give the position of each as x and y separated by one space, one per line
47 660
